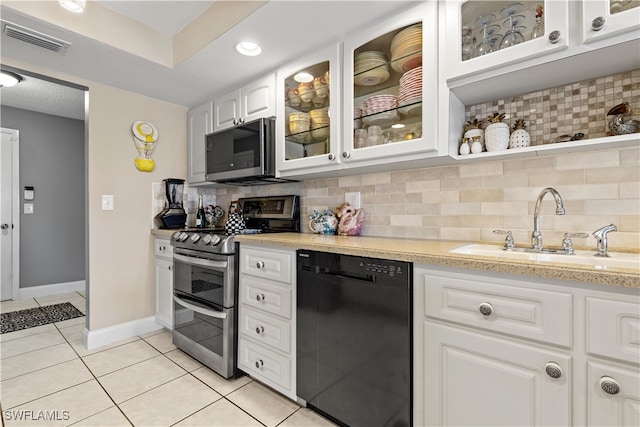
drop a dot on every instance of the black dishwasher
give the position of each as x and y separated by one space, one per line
354 329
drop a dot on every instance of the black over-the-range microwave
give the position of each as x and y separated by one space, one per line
243 154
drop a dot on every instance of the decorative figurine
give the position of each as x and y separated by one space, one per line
496 135
324 222
235 221
351 220
619 127
464 147
474 128
519 137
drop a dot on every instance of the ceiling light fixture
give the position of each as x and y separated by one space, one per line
75 6
8 79
398 126
303 77
249 48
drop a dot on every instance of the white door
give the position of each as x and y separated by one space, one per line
8 174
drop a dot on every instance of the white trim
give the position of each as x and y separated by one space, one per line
15 208
52 289
122 331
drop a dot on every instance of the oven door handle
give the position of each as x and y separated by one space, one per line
211 313
200 262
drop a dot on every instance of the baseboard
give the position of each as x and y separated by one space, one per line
123 331
53 289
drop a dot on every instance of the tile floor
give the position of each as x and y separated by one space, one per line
47 376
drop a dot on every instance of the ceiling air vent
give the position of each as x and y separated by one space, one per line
33 37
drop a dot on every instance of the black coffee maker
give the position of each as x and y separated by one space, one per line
173 214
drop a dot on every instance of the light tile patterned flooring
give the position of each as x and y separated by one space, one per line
47 375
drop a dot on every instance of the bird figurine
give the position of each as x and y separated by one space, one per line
617 125
351 220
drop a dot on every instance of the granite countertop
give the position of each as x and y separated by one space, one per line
436 252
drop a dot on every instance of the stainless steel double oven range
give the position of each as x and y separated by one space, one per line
205 288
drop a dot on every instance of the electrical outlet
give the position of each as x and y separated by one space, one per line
107 202
353 199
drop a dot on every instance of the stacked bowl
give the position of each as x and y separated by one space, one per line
370 68
406 49
410 92
319 123
298 123
380 110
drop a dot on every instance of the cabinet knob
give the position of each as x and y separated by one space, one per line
598 23
553 370
554 37
609 385
346 154
4 226
260 264
259 363
241 120
259 329
235 121
332 156
485 309
170 267
260 297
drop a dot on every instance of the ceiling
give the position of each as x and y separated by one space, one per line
286 29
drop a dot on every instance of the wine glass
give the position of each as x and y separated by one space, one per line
513 36
485 45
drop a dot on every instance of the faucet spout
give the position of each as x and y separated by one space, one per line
601 236
536 235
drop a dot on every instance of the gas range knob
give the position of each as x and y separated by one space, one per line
215 239
195 237
183 236
207 239
176 235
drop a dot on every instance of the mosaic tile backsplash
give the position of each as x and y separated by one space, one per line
566 110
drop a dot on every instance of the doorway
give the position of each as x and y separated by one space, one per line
9 215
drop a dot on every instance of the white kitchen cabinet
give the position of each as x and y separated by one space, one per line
163 281
200 123
613 395
610 21
250 102
266 316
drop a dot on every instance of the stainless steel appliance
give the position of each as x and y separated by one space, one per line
205 281
243 155
354 354
173 214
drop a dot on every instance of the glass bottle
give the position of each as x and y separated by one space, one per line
538 28
200 216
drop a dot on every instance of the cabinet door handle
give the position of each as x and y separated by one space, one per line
260 264
609 385
5 226
259 363
260 297
332 156
259 329
598 23
553 370
485 309
554 37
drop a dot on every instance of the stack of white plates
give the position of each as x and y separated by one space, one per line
406 49
370 68
380 110
410 93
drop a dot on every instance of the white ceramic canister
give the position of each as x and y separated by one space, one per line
496 136
475 132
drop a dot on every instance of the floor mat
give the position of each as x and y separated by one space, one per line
30 317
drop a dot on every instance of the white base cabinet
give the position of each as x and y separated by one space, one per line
163 282
491 349
266 316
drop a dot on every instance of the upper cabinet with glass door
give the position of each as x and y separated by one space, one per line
391 86
610 20
308 112
482 35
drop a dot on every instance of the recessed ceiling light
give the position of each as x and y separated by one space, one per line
8 79
249 48
398 126
75 6
303 77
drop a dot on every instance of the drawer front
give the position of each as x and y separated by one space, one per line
613 329
267 263
264 295
265 329
163 248
264 365
524 312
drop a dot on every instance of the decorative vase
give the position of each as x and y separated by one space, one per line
496 135
519 137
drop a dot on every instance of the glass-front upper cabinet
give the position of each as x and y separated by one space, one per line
391 83
308 113
606 19
482 35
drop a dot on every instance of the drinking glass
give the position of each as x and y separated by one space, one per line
513 35
485 45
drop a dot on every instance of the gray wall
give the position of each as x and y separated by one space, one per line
52 160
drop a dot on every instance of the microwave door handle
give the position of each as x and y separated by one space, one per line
192 307
200 262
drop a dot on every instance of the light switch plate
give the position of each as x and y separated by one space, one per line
28 208
107 202
353 199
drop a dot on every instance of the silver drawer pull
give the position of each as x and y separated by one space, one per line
485 309
598 23
553 370
259 363
260 264
259 329
260 297
609 385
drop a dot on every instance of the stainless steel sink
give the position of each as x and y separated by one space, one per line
616 260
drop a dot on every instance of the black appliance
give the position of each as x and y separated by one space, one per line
205 286
243 154
354 329
173 214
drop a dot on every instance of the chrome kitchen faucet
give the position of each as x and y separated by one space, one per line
536 235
